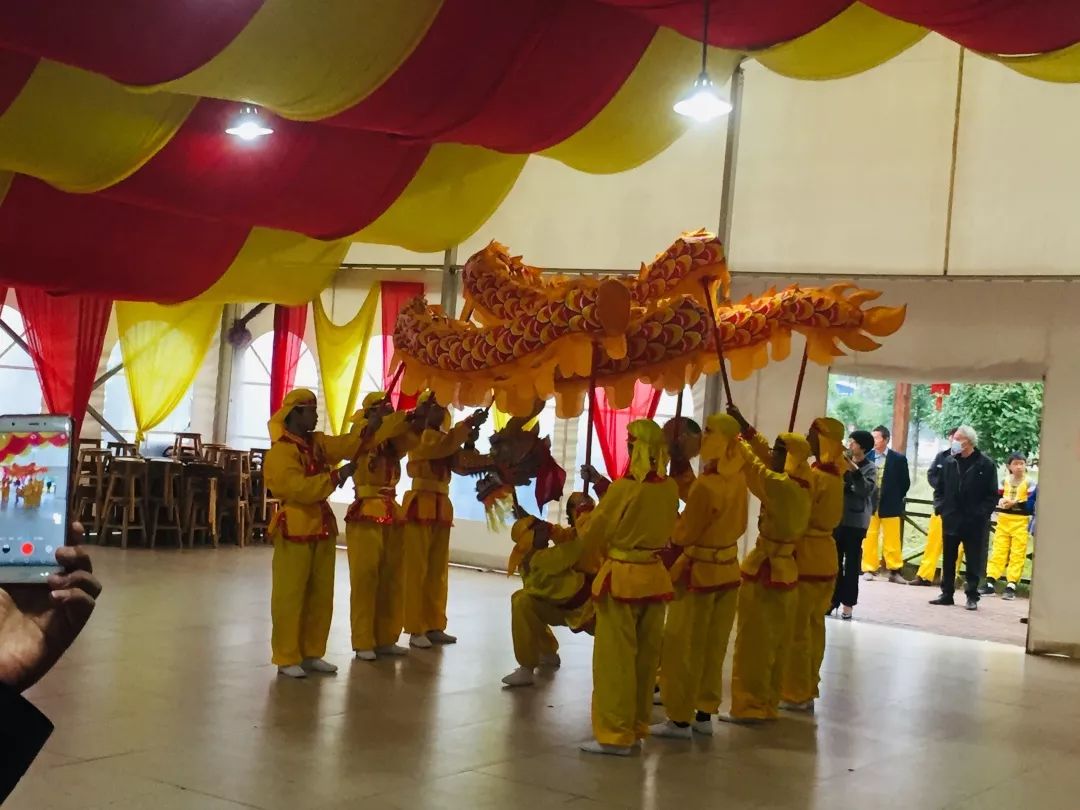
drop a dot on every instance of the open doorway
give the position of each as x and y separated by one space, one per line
917 417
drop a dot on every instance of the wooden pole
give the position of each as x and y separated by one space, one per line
591 426
798 387
394 380
717 340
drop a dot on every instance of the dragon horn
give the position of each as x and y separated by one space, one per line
860 297
883 321
857 341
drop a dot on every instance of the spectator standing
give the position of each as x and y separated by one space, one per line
1011 536
883 534
860 489
934 535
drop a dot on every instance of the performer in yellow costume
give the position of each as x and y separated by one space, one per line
555 591
706 577
299 473
635 518
428 518
767 598
1011 536
373 534
815 557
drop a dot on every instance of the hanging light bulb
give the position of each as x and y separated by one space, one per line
248 125
703 102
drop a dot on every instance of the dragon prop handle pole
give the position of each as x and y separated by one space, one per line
678 412
717 340
394 380
798 387
592 423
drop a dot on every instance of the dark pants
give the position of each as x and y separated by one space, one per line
849 541
974 563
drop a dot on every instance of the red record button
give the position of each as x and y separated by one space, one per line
27 549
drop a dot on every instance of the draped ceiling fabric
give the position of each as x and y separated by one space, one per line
289 326
610 424
393 295
342 352
395 123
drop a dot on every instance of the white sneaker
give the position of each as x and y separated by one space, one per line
522 676
319 665
551 661
593 747
788 706
293 671
391 649
421 642
657 700
702 727
724 717
670 730
441 637
366 655
868 576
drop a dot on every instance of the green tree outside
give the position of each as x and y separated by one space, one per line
1007 416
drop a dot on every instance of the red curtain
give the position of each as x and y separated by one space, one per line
610 425
289 326
394 294
65 334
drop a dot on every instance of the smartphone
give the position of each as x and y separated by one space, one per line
35 495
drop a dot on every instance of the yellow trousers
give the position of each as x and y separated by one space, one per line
806 650
531 620
1010 548
882 536
376 599
302 599
695 645
931 558
625 657
427 570
764 627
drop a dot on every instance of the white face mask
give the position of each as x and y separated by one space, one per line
955 447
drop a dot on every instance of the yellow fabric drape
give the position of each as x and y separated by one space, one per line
639 123
279 267
501 419
342 350
82 132
1056 66
163 348
307 62
856 39
455 191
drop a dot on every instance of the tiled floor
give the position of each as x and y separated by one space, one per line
169 702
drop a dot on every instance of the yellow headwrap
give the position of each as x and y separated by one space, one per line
430 395
719 446
830 439
522 535
293 399
372 398
798 452
650 449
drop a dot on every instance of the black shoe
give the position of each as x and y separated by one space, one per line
972 604
925 583
1010 594
988 588
943 600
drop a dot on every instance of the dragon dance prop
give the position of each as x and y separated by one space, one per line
539 337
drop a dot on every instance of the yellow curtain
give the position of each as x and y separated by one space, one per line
638 123
279 267
309 60
163 348
1056 66
82 132
500 419
455 191
856 39
342 351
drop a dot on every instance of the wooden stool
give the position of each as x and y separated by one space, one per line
263 507
123 449
124 506
200 493
91 480
90 444
235 504
214 454
187 447
163 502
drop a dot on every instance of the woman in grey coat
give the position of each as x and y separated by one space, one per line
860 483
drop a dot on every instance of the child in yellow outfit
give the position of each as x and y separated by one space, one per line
635 518
555 592
373 535
706 577
1011 535
767 597
299 472
429 515
815 557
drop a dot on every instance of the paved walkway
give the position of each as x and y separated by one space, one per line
882 602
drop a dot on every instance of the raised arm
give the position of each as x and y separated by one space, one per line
287 479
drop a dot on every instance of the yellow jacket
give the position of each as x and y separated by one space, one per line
552 574
1014 492
635 520
430 465
378 472
785 513
709 529
815 553
592 555
300 475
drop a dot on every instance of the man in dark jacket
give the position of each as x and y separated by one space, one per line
935 542
883 534
968 493
860 488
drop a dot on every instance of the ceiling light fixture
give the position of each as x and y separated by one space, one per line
702 102
249 126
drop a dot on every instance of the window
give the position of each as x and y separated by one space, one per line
251 405
118 411
20 388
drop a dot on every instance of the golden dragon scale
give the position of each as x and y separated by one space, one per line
541 338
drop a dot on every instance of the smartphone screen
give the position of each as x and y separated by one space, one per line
35 474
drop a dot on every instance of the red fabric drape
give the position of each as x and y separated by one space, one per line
610 425
289 326
393 294
65 334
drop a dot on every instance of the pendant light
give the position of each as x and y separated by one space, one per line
703 102
248 126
